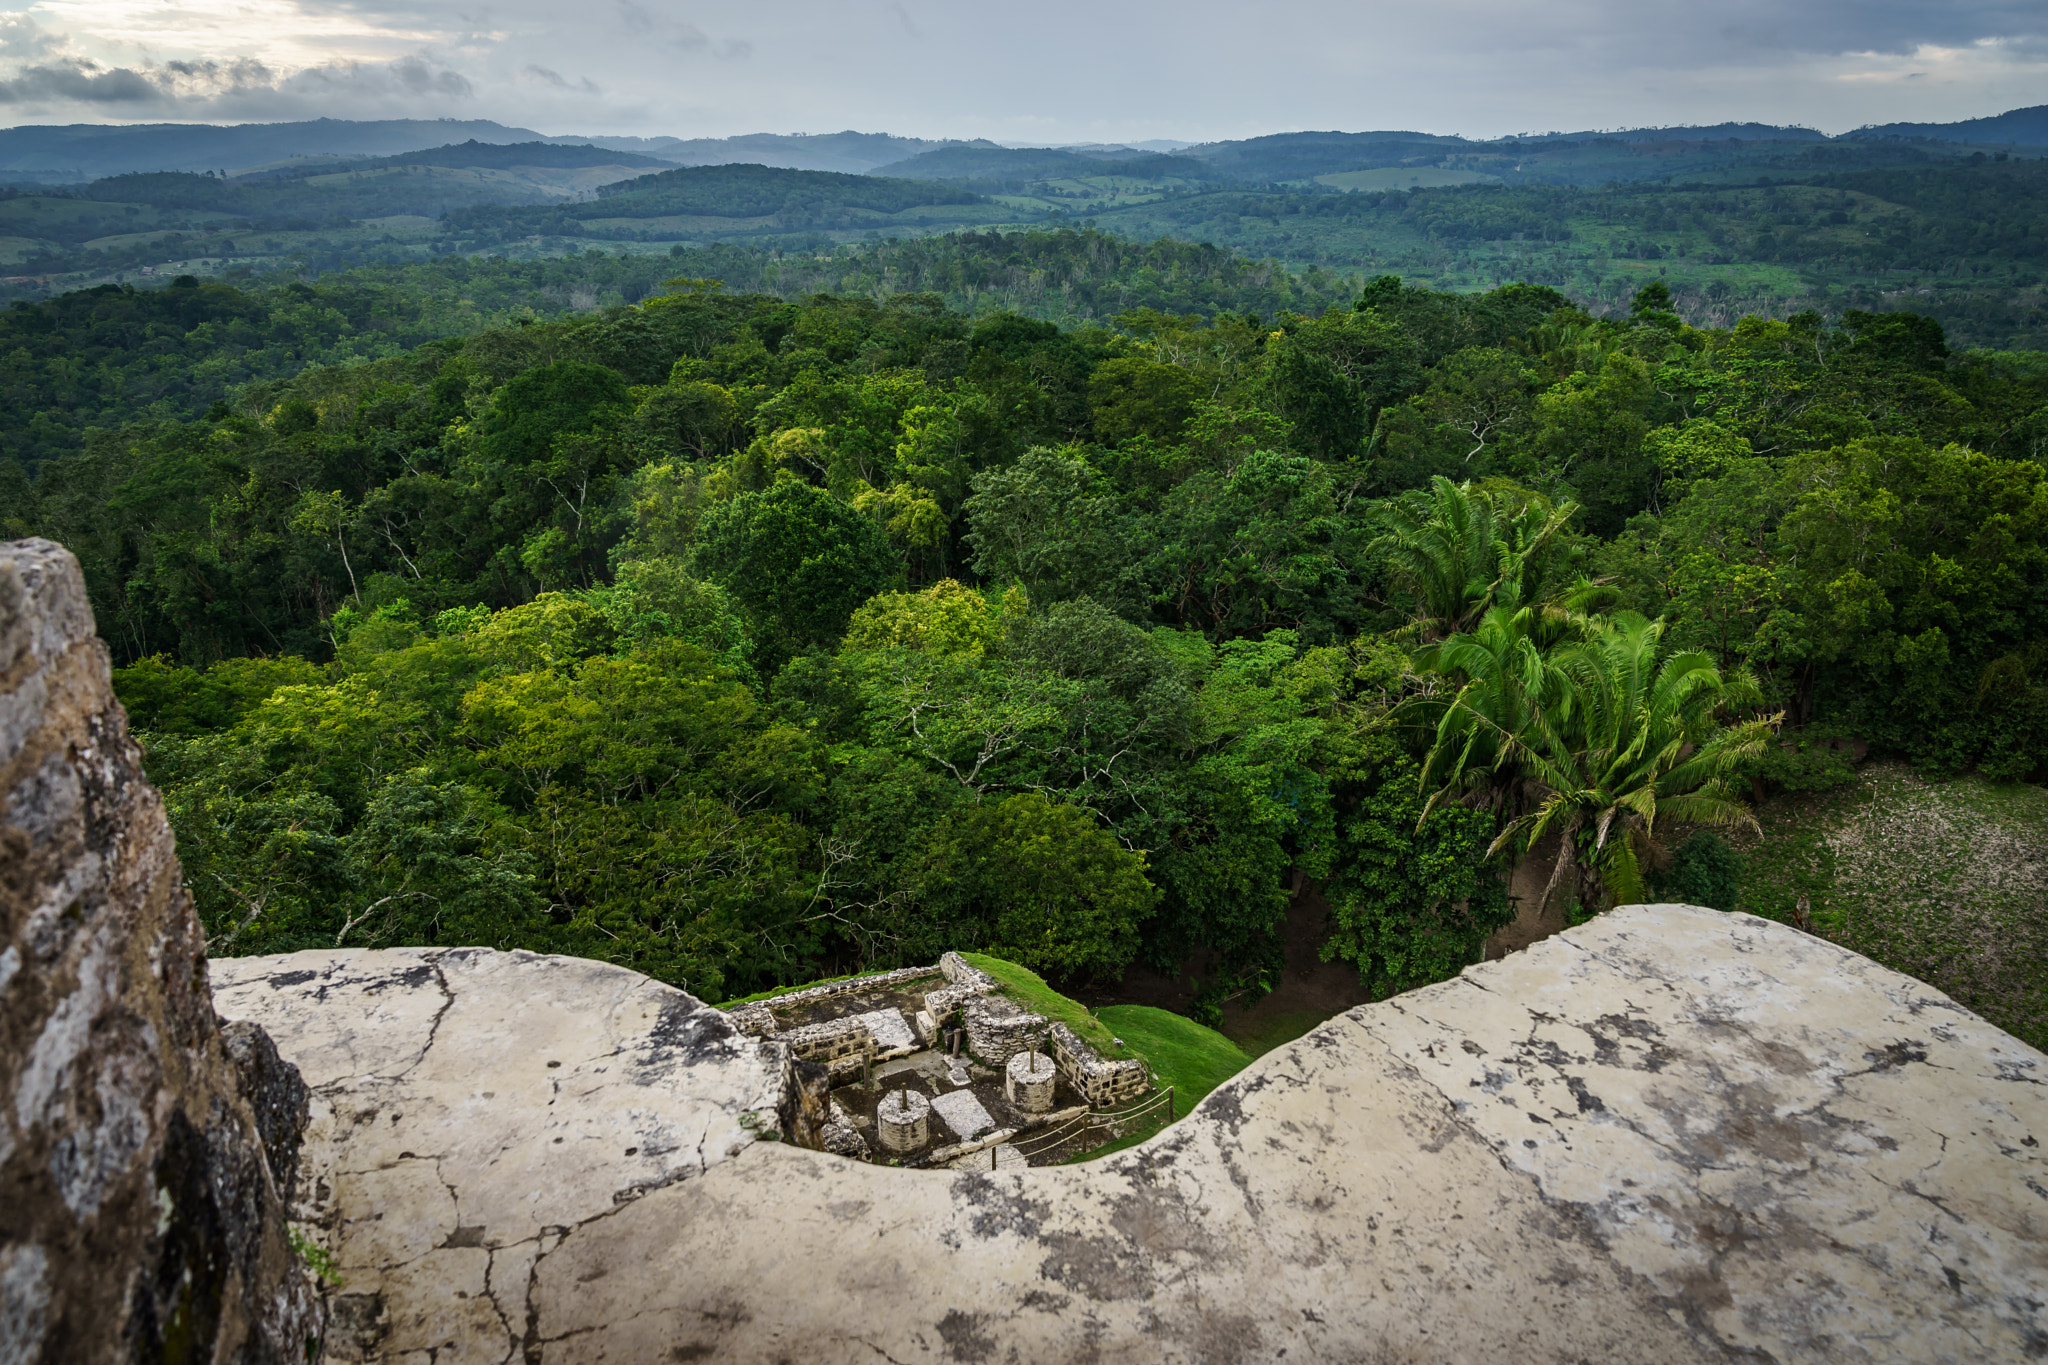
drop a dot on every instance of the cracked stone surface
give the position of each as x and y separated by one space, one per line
472 1109
1670 1135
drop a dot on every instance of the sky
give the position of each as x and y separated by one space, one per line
1051 72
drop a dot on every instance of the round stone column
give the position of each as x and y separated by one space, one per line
903 1121
1028 1081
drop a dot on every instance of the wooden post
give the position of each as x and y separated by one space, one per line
991 1158
1169 1104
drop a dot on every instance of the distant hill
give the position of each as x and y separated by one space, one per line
506 155
736 202
1304 156
986 163
79 153
91 151
2015 127
848 152
743 191
471 155
1714 132
425 183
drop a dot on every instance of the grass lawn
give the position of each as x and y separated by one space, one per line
1028 989
1186 1055
1260 1038
1182 1053
1944 881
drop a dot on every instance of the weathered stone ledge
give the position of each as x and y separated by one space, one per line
1669 1135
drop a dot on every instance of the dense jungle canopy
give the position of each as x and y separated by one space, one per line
742 638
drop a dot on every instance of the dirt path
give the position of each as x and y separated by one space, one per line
1535 919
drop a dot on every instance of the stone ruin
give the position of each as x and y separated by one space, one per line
954 1062
1669 1135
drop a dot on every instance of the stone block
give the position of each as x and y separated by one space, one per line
1029 1080
903 1121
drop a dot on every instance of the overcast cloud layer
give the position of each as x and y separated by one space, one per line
1058 71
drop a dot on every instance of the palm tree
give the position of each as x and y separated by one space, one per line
1596 742
1504 706
1459 549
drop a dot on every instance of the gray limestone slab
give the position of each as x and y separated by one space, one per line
963 1113
889 1029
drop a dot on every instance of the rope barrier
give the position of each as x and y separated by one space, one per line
1039 1142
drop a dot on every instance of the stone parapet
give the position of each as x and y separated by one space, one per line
470 1109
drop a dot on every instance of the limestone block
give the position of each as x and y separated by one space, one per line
144 1158
753 1019
844 1045
1028 1081
471 1108
959 972
962 1112
825 991
903 1121
1102 1083
926 1027
890 1030
841 1137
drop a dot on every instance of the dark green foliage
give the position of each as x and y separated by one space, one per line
1704 871
742 637
531 413
749 191
1417 896
798 560
165 699
1047 886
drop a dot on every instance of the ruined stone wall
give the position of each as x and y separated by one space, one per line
999 1029
843 1045
141 1209
1101 1083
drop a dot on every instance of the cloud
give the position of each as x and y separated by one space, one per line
21 38
1478 67
559 81
79 81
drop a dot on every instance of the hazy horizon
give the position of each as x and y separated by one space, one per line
1115 73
